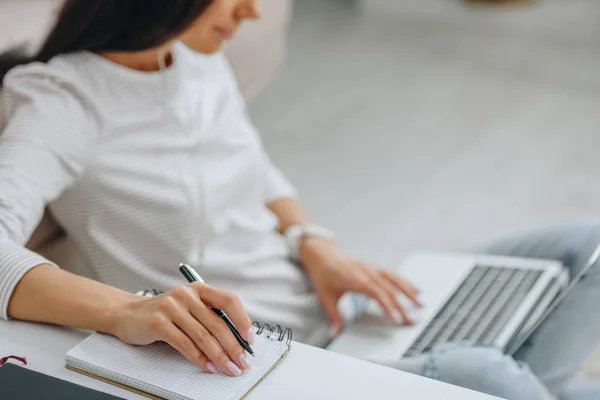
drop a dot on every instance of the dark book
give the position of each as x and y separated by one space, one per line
18 383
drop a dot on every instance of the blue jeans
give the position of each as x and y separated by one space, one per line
544 366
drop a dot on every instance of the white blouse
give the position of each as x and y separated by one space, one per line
145 170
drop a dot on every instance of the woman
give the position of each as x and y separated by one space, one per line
129 127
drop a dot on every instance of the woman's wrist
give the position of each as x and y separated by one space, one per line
315 250
117 311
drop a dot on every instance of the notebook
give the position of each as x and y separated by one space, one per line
158 371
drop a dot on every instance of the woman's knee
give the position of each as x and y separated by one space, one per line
582 254
486 370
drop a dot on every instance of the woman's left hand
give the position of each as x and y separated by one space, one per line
334 274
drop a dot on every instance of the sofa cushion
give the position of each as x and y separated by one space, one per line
25 22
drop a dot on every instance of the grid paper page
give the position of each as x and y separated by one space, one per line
160 370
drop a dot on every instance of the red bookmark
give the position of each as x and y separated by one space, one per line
5 359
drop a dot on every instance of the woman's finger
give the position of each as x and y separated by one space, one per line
222 334
232 305
372 288
183 344
204 340
329 303
393 293
403 285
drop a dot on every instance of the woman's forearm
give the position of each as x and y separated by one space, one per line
180 317
289 212
49 294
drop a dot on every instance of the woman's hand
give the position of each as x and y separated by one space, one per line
183 318
334 274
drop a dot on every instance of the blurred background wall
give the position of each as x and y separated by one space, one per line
428 124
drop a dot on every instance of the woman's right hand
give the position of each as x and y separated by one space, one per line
183 318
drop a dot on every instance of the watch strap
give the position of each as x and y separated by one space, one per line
296 233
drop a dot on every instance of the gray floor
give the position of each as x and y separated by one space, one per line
436 127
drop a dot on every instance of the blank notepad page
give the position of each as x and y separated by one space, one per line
160 370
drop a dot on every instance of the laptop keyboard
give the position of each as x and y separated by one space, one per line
478 310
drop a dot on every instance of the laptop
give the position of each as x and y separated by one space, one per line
468 299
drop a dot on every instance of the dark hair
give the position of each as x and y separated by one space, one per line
111 25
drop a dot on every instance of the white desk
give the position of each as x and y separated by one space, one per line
306 373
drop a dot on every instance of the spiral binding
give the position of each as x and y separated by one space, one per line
149 292
282 334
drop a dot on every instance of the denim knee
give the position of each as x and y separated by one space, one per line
486 370
582 239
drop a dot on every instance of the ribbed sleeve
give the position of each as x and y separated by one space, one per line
42 152
278 186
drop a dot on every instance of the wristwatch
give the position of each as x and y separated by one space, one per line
295 233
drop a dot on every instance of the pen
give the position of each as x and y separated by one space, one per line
192 276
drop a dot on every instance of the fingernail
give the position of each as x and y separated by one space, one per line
333 332
233 368
397 317
212 368
245 363
415 319
251 336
